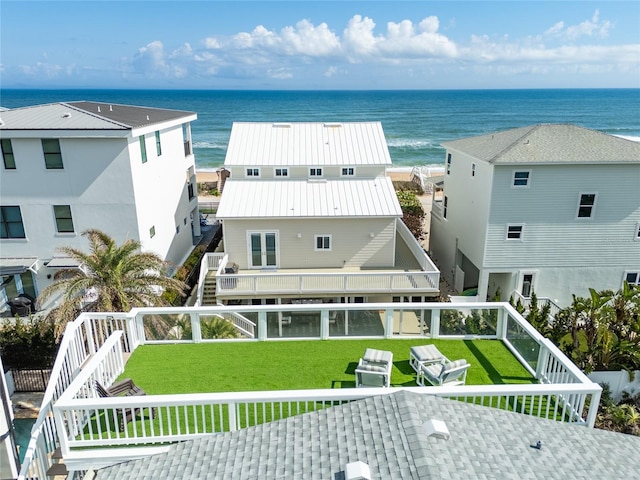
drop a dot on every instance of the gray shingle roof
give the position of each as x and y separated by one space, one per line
548 144
86 116
386 432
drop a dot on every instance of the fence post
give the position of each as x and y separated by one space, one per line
435 323
233 426
196 330
593 408
388 324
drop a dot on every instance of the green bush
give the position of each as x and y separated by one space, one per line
28 344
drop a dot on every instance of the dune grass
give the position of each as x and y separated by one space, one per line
293 365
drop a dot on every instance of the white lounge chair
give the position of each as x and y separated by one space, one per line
443 373
424 354
374 368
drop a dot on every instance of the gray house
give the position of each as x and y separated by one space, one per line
553 209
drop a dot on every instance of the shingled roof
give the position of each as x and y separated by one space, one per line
387 433
548 143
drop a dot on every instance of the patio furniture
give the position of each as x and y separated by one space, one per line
374 368
443 373
126 388
424 354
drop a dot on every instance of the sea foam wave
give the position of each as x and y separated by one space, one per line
211 145
409 143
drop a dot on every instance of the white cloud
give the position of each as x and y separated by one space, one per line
149 60
330 72
589 28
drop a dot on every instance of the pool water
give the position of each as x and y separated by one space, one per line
22 428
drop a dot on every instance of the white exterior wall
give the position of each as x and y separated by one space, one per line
569 254
302 172
107 187
352 245
160 191
467 214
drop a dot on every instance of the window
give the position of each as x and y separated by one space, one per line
637 234
632 278
158 146
444 206
473 169
152 231
448 163
177 229
52 153
514 232
11 223
64 222
323 242
315 172
527 285
521 178
282 172
586 205
253 172
348 172
143 149
7 154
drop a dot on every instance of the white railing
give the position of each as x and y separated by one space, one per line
562 395
425 262
308 283
210 261
244 326
82 338
96 422
554 308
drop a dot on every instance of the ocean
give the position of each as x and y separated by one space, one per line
415 122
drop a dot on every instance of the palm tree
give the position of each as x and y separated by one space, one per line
118 278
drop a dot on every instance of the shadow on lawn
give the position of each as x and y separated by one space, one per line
494 375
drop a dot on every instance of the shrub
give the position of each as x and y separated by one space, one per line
28 344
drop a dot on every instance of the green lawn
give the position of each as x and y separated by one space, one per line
294 365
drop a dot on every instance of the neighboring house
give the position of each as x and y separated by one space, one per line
553 209
388 434
67 167
308 214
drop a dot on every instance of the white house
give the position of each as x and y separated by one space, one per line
553 209
67 167
309 215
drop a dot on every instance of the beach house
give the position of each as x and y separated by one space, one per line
550 209
309 215
126 170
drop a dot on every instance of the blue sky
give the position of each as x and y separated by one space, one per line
320 44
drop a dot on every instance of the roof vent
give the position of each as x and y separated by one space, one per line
436 428
357 471
111 108
98 108
66 115
147 117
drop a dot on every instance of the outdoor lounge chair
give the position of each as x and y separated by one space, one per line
124 388
424 355
374 368
443 373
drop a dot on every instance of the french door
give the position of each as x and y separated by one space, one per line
263 249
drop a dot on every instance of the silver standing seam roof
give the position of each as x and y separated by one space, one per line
386 432
84 115
548 144
307 144
338 198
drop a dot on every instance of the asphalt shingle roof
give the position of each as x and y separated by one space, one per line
548 144
386 432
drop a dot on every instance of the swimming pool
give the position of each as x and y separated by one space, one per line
22 428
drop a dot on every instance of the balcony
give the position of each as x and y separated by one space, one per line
413 272
499 343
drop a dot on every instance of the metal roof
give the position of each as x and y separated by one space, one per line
87 116
549 143
313 198
307 144
387 433
16 265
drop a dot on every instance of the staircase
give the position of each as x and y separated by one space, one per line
209 290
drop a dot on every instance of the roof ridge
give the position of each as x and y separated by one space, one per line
512 145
